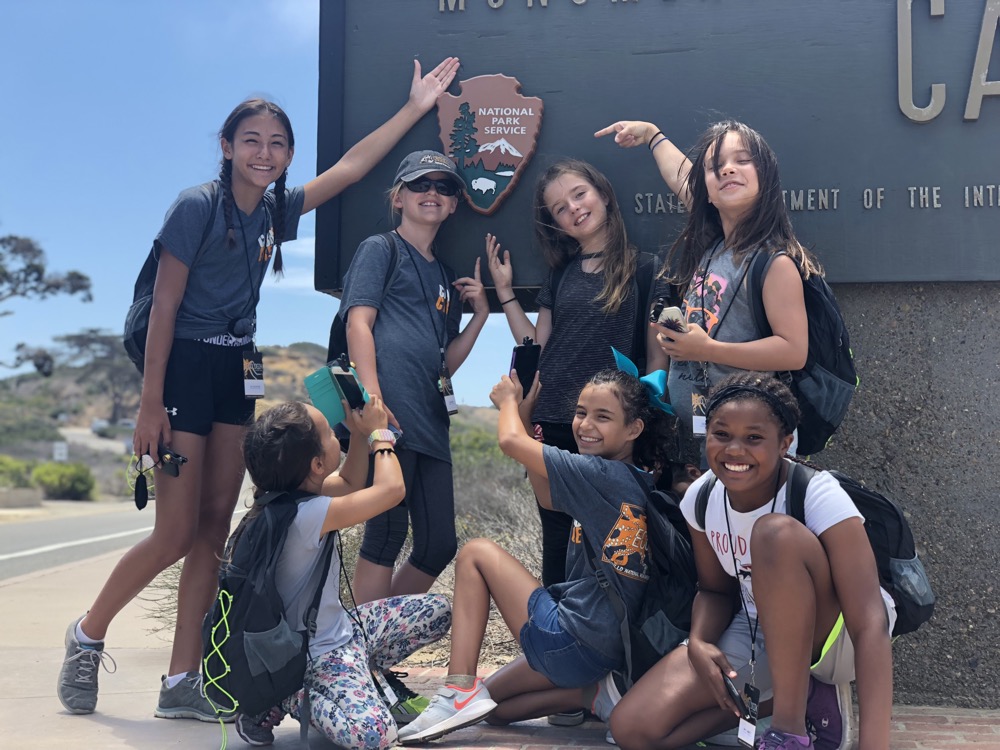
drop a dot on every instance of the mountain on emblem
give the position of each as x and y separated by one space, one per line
491 132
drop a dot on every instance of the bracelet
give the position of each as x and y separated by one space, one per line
381 436
512 299
658 132
383 450
662 140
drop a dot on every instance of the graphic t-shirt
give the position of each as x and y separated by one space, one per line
609 508
417 315
223 282
826 504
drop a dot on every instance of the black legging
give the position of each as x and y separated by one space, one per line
556 525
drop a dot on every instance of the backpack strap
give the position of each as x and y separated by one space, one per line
601 576
645 268
796 483
701 502
760 264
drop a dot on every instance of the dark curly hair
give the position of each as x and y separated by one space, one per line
757 386
279 447
657 446
250 108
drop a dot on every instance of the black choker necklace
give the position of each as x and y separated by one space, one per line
590 256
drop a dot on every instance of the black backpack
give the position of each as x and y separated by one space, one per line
137 318
825 385
664 617
645 267
900 571
253 657
338 329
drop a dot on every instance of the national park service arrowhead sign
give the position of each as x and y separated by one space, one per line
491 131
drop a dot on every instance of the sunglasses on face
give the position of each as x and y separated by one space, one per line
446 188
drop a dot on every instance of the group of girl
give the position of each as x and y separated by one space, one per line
592 437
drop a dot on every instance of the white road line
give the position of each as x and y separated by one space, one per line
75 543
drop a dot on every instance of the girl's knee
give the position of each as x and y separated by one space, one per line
476 550
777 537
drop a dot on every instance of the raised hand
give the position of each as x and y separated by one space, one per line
374 416
629 133
500 270
425 90
472 291
508 389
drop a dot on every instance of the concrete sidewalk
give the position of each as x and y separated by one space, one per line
38 607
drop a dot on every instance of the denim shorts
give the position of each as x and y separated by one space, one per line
554 653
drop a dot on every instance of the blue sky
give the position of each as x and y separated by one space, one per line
112 108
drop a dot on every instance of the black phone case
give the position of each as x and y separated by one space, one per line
524 361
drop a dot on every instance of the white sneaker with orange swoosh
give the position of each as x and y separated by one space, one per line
451 708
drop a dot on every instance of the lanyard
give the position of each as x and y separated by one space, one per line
736 570
251 308
442 336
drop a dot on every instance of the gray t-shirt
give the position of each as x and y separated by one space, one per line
581 339
717 301
417 315
223 283
298 570
609 508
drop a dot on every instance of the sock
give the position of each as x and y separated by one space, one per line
83 638
461 681
173 680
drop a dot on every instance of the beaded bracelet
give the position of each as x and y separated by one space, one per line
383 450
658 132
508 301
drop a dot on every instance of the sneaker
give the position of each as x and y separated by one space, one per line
449 709
609 739
608 695
257 730
410 704
829 715
78 677
730 738
186 700
775 740
567 718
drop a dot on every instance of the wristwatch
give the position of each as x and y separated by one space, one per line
381 436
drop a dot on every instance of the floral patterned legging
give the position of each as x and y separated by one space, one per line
344 704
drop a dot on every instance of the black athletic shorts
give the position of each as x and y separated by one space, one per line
204 384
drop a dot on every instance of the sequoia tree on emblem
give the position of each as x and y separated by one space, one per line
491 132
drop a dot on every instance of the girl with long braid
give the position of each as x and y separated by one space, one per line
213 251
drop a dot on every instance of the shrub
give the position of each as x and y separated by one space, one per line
64 481
14 472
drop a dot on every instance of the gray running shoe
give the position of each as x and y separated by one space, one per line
78 677
252 731
186 700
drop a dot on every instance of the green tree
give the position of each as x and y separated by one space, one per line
104 368
463 135
23 273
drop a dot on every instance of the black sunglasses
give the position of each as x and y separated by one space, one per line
447 188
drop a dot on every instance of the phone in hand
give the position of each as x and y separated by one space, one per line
668 317
170 460
331 383
346 380
524 361
736 696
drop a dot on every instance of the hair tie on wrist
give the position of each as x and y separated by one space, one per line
662 140
512 299
383 450
658 132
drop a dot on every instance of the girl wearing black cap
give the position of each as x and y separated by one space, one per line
403 337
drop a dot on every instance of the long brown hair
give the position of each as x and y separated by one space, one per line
766 225
620 258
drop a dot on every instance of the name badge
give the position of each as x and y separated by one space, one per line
253 374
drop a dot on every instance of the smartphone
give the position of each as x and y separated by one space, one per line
170 460
672 318
736 696
346 380
524 361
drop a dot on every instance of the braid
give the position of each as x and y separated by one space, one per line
757 386
226 180
279 221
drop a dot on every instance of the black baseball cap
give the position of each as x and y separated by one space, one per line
419 163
